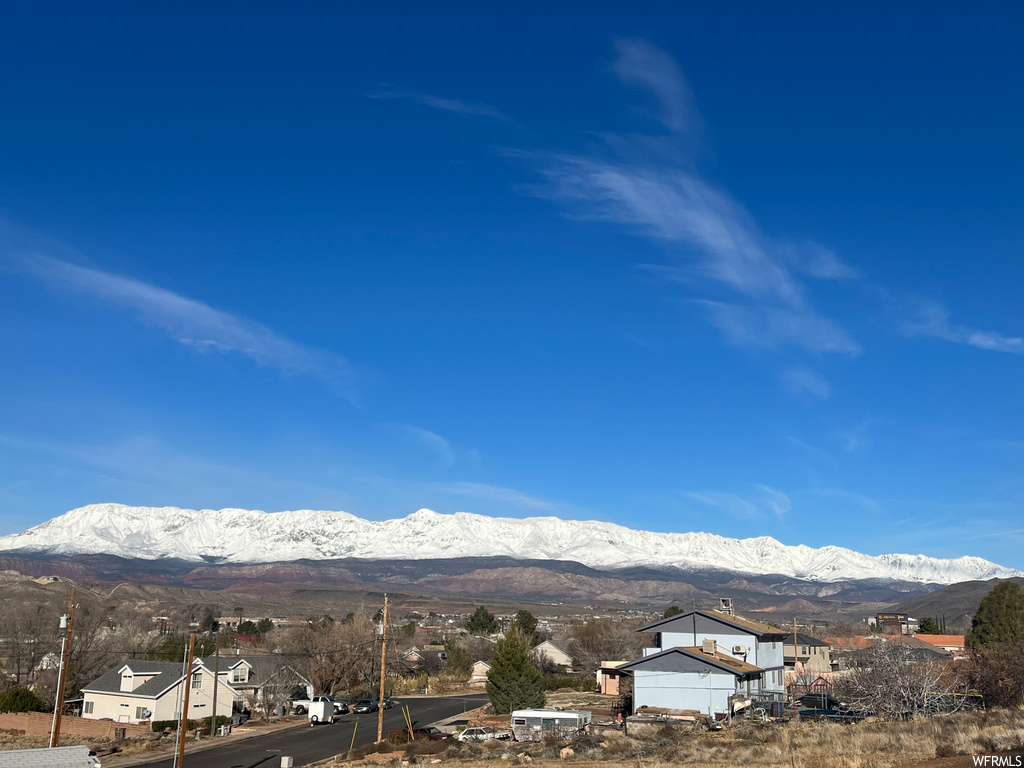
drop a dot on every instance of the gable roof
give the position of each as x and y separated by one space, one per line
263 666
721 661
802 639
549 644
164 675
749 625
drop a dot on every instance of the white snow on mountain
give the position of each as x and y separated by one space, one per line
250 536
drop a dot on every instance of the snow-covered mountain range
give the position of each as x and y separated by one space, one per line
250 536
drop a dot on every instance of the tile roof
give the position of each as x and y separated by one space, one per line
942 639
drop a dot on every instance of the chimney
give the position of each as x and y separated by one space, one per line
710 647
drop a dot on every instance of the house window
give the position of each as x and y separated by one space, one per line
239 675
197 680
804 650
140 713
88 707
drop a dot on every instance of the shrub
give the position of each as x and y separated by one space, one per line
20 700
572 682
159 725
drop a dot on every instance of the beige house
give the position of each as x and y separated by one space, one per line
138 691
258 681
813 656
555 654
479 673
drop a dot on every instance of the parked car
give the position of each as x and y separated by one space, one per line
365 705
818 701
432 732
302 706
483 733
388 703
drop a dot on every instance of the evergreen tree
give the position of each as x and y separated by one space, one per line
526 624
457 660
20 700
482 622
674 610
248 628
263 626
209 624
513 682
1000 618
929 626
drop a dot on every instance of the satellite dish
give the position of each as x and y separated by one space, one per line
146 714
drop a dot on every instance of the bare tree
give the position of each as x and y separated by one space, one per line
30 633
272 692
591 642
889 682
333 654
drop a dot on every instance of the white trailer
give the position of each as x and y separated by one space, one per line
321 710
536 724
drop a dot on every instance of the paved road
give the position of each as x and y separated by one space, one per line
307 745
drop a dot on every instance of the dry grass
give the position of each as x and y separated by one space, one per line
99 745
795 745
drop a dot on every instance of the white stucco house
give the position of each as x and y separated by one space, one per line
703 657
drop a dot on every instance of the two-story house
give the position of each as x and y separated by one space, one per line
813 655
704 657
139 690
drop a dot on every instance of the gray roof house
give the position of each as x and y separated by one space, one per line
138 690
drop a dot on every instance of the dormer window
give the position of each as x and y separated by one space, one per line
127 681
239 674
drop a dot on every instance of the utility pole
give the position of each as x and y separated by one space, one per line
383 650
795 657
216 685
179 757
62 674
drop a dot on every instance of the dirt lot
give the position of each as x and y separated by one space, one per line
940 742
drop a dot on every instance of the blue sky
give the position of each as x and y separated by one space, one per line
726 267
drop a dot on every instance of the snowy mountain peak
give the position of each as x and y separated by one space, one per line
254 536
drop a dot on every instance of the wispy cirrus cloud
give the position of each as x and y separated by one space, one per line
498 493
648 184
190 322
932 319
444 451
801 380
746 506
459 106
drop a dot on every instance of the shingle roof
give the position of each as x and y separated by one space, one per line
263 666
58 757
723 661
802 639
756 627
167 673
